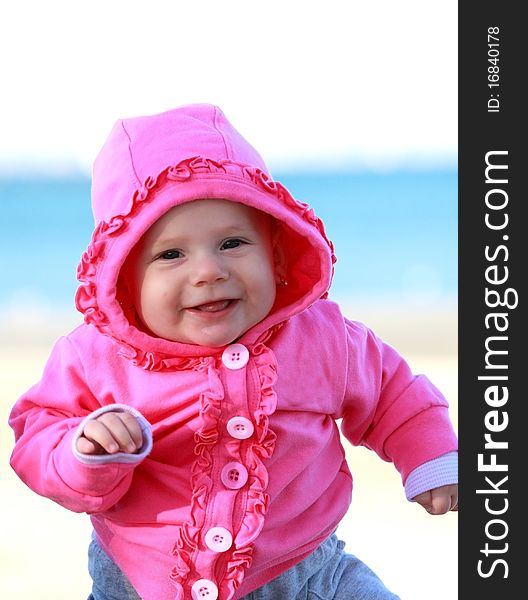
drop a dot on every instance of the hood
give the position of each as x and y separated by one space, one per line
150 164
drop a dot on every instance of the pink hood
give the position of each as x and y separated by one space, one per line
150 164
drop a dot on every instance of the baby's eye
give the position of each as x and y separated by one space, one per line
170 254
232 243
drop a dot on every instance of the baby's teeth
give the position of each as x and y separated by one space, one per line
214 306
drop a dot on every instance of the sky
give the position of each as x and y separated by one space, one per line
344 84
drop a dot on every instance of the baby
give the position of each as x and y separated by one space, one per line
193 414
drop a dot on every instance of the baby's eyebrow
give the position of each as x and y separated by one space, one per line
220 232
223 230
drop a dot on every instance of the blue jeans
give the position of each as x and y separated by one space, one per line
328 573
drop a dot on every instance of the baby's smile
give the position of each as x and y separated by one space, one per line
215 306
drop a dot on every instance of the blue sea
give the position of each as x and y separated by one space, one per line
395 234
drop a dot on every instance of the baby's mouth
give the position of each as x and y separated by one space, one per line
212 307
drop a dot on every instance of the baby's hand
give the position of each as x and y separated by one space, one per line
109 433
439 500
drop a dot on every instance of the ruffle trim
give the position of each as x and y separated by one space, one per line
86 299
256 506
205 439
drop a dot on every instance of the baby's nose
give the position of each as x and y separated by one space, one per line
207 270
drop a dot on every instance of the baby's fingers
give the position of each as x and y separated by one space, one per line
125 429
114 432
440 504
440 500
85 446
444 499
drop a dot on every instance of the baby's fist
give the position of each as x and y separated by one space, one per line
109 433
439 500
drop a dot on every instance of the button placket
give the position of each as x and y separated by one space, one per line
232 476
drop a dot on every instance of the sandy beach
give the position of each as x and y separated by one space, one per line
43 551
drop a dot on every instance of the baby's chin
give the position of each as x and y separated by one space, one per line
208 339
212 341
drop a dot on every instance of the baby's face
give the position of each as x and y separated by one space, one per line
204 272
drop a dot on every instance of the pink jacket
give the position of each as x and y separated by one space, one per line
242 472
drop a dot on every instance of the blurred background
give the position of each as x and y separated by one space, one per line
354 108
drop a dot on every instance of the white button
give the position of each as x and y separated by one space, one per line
234 475
235 356
240 428
218 539
204 589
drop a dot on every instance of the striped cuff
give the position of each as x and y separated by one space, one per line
432 474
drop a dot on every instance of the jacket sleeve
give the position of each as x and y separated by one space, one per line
45 421
403 417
